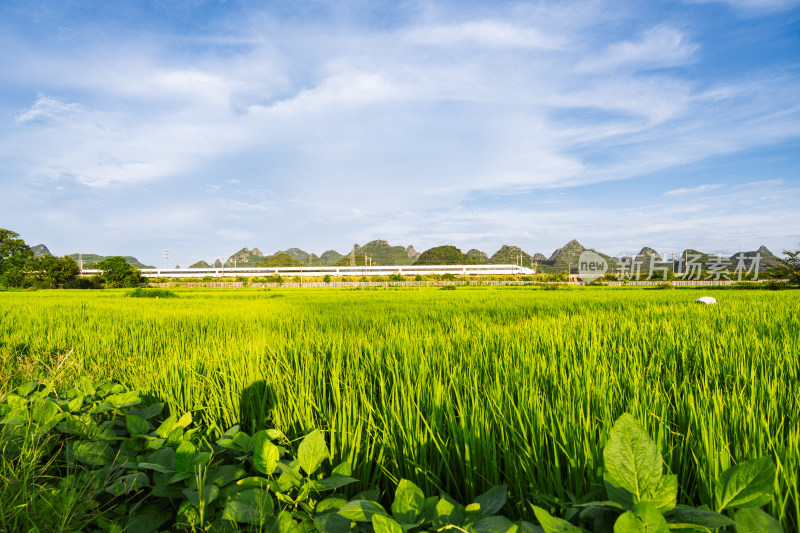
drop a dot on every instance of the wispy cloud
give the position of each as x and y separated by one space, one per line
487 33
693 190
658 47
48 110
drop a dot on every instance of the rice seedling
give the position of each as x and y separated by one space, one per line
457 391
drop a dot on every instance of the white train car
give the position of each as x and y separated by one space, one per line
289 272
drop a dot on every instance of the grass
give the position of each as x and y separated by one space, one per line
454 392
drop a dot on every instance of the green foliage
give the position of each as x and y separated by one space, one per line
280 260
14 254
50 272
445 255
643 498
326 278
527 382
789 267
144 292
91 260
119 273
139 471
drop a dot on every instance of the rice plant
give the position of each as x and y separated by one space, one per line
455 391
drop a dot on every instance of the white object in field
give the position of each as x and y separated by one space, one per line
708 300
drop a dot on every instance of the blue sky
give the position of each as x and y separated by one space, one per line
129 127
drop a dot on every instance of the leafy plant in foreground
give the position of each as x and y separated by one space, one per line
115 463
643 498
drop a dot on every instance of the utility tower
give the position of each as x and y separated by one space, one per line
353 256
166 258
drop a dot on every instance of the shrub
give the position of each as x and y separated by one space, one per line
327 278
151 293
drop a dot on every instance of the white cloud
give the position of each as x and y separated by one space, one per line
487 33
659 47
693 190
47 110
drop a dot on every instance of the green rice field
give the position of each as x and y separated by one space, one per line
455 390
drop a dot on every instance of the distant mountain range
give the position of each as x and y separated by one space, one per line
380 252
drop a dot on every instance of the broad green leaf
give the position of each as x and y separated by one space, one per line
166 427
128 483
283 523
600 517
330 504
408 501
125 399
697 517
251 506
75 404
155 466
645 518
384 524
370 494
493 524
184 457
136 425
312 452
74 425
343 469
183 476
90 453
275 434
331 483
243 441
361 510
205 496
26 388
552 524
632 462
332 523
149 412
184 421
754 520
253 482
665 495
225 474
175 436
527 527
493 499
85 387
147 519
44 411
265 453
164 457
748 484
447 513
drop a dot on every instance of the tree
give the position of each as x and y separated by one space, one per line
789 267
118 273
50 272
13 255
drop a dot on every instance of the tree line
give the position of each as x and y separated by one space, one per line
20 268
